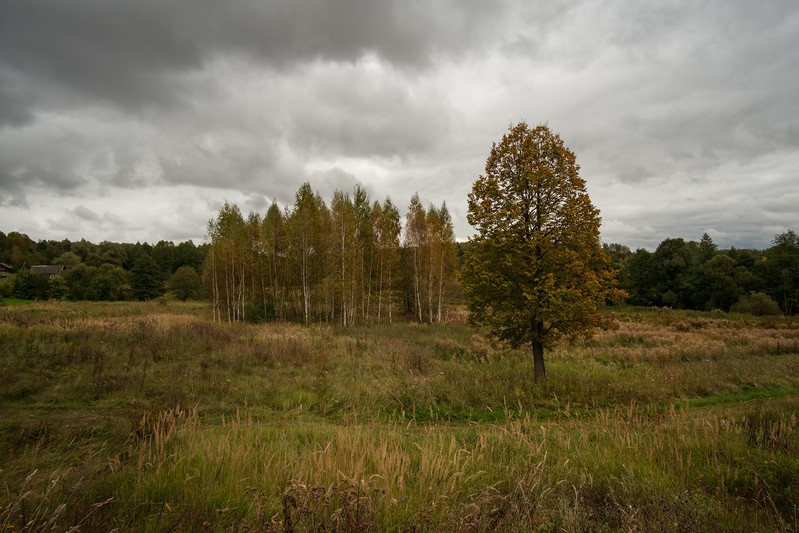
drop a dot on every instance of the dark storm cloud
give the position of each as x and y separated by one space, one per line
158 62
128 53
15 101
64 155
33 158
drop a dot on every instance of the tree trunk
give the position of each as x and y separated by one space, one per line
538 353
440 284
538 361
389 294
380 284
416 283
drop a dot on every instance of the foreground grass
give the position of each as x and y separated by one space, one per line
149 417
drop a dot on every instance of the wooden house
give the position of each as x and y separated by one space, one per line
5 270
50 271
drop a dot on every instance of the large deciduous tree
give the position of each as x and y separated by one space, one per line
535 271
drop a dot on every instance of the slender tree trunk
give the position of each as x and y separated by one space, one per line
215 284
380 283
416 275
440 284
369 285
389 295
538 352
430 274
264 298
343 278
306 311
275 288
227 293
353 288
243 292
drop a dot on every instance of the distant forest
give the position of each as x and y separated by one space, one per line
107 271
346 261
697 275
356 261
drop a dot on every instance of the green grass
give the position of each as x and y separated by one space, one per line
13 301
149 417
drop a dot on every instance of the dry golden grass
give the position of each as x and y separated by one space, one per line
151 418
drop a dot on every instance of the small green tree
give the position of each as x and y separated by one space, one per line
57 288
30 286
782 271
110 283
757 303
23 282
79 281
535 271
640 277
185 283
6 289
145 278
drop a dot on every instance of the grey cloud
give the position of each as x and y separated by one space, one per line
251 98
678 87
30 160
130 53
335 179
15 101
84 213
66 154
382 120
229 161
106 51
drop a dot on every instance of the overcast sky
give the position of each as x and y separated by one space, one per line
134 120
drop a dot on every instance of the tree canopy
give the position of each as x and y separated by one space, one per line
535 271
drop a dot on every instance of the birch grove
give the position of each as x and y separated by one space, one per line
346 263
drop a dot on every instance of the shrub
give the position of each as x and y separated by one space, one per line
57 288
6 289
757 303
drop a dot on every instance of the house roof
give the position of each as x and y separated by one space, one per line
6 268
52 270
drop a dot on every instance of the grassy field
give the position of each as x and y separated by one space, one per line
149 417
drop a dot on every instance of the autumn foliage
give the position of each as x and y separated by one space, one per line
535 271
345 263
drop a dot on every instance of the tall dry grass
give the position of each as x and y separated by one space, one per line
153 418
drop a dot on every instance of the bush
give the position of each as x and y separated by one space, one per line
757 303
57 288
29 286
6 289
260 313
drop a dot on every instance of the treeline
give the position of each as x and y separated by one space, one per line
105 271
347 262
697 275
355 261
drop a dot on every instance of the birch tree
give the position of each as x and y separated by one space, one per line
415 222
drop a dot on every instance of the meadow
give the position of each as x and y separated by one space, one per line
150 417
